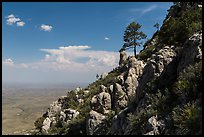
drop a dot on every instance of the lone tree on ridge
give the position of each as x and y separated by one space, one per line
132 37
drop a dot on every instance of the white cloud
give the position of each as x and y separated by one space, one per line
149 9
12 19
66 63
46 27
106 38
21 23
144 10
10 16
8 61
75 55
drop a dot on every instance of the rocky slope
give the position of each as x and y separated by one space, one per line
157 93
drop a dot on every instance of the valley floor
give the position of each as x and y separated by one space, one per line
21 107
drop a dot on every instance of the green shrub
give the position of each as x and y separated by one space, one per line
188 119
189 82
146 53
39 122
178 29
138 121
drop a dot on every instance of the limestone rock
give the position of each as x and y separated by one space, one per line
54 108
120 122
46 124
93 122
123 58
132 61
86 92
120 97
101 102
111 88
131 82
192 51
154 126
71 113
121 79
102 88
103 75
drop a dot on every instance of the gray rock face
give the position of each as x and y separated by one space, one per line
163 57
111 88
71 113
119 97
102 88
192 51
54 108
103 75
101 102
93 122
46 124
121 79
135 70
123 58
154 126
86 92
155 67
120 123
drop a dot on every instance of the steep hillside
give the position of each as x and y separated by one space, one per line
158 93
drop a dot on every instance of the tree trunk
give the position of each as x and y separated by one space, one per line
135 47
135 51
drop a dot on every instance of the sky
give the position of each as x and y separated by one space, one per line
69 42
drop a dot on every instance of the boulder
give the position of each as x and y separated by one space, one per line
120 122
46 125
192 51
134 72
132 61
86 92
102 88
111 88
121 79
71 113
155 126
62 116
101 102
54 108
94 121
131 82
120 97
123 58
103 75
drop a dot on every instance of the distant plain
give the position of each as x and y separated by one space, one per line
22 105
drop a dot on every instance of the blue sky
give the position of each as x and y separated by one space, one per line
66 40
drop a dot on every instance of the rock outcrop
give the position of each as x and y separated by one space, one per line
123 58
154 126
140 96
192 47
93 122
102 101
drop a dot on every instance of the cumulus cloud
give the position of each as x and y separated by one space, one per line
8 61
46 27
75 55
12 19
79 63
20 24
106 38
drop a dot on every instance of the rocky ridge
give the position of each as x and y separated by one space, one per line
128 100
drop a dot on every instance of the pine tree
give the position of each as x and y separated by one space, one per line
132 37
